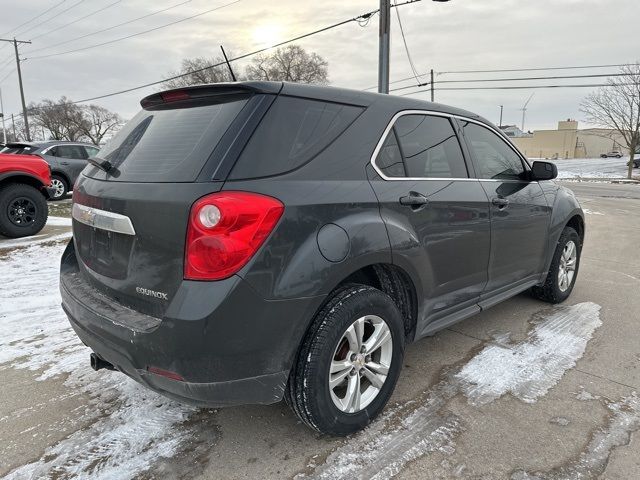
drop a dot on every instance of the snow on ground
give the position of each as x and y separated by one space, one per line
593 168
130 426
527 370
59 221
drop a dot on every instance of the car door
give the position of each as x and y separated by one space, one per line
520 214
437 216
72 159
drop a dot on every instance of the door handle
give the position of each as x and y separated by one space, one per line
500 202
414 200
64 163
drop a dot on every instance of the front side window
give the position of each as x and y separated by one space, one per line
495 159
426 146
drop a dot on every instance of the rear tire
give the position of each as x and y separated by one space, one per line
61 187
327 367
23 210
563 271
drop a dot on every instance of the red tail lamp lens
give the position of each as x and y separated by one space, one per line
225 231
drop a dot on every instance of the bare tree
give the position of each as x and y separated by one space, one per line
61 118
617 107
291 64
197 71
97 122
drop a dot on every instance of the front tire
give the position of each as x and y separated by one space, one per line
349 362
23 210
60 185
563 270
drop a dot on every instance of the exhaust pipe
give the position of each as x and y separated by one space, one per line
98 364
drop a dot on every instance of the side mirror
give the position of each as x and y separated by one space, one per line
543 171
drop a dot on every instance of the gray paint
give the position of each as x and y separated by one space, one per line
461 253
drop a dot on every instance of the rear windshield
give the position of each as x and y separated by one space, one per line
167 145
293 132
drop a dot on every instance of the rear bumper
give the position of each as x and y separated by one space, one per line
230 346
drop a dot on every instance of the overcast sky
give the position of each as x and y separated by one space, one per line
459 35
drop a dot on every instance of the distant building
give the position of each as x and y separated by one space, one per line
569 142
513 131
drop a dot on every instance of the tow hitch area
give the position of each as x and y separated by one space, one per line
98 364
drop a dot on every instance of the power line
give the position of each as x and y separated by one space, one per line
520 87
138 33
534 69
482 80
76 20
90 34
32 19
51 18
406 47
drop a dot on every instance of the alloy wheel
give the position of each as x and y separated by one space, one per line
567 267
58 186
360 364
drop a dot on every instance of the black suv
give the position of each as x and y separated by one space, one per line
241 243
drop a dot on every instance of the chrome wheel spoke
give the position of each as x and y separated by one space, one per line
352 338
378 339
377 368
376 380
352 400
340 365
338 378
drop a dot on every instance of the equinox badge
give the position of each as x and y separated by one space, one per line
151 293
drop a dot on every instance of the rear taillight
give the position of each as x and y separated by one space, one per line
225 230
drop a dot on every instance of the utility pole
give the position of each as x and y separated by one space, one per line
501 108
433 88
4 130
524 109
24 105
15 137
384 46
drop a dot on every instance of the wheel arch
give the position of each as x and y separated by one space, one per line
19 177
396 283
65 177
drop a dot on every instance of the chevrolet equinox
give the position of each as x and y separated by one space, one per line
249 242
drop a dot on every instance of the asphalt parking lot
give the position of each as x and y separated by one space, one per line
524 390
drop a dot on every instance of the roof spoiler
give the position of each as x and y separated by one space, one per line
212 93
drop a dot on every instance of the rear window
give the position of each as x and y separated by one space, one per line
168 145
293 132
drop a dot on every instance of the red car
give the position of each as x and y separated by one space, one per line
24 189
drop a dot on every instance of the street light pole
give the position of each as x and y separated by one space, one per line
501 108
384 46
24 105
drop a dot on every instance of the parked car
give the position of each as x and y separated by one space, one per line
24 189
241 243
612 154
67 160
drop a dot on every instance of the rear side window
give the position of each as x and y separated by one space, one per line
69 151
429 148
170 145
293 132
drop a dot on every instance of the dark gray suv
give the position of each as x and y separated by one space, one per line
245 243
66 159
